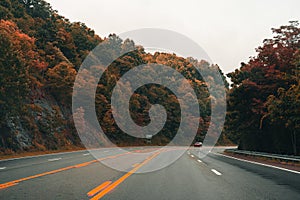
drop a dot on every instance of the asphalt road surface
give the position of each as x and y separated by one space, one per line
78 175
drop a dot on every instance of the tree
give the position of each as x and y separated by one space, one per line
274 67
60 80
284 111
15 52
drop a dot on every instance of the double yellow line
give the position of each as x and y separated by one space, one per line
108 186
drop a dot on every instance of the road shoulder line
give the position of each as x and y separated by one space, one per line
257 163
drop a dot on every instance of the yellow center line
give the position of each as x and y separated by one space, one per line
135 164
123 178
99 188
15 182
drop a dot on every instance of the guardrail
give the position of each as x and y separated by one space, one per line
265 155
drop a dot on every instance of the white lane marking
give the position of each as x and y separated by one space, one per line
54 159
2 168
44 155
216 172
199 161
257 163
105 151
188 153
86 154
192 156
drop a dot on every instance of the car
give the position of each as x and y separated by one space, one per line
198 144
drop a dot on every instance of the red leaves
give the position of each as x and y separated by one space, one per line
258 102
23 45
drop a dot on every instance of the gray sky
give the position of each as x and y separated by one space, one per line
229 31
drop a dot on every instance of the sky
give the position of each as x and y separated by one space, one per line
229 31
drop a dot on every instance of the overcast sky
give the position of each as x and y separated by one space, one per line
228 30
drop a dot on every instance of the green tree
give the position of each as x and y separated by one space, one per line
284 111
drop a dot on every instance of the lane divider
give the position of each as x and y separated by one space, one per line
54 159
216 172
44 155
123 178
198 160
12 183
136 164
99 188
15 182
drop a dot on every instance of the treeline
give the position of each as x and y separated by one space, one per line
264 101
150 94
40 54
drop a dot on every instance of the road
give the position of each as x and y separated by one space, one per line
77 175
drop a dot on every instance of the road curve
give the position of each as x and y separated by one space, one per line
77 175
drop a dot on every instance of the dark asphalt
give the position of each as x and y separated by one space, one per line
213 177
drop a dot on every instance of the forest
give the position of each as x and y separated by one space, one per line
264 101
42 51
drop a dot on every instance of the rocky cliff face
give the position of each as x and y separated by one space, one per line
45 125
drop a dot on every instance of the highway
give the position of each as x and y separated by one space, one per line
78 175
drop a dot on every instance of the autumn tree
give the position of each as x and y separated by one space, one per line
274 67
60 80
17 57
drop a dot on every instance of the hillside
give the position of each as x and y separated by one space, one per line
40 54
